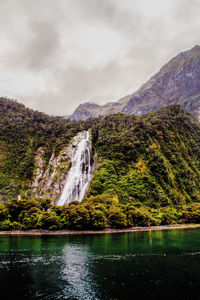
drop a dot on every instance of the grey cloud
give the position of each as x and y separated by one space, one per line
107 12
81 85
44 45
36 35
187 10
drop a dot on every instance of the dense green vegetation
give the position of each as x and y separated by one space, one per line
152 160
148 169
95 212
22 132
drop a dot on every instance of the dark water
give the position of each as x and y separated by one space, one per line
143 265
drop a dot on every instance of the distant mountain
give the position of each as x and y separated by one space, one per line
177 82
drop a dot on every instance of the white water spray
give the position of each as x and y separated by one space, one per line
79 175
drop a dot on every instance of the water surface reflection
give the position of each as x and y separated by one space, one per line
165 264
77 273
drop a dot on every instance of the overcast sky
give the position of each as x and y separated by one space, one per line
56 54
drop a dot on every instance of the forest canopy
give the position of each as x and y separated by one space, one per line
148 161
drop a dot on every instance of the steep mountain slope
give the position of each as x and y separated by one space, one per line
176 82
24 135
150 160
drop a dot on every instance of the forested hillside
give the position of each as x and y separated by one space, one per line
150 160
22 132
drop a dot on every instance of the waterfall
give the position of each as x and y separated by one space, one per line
79 175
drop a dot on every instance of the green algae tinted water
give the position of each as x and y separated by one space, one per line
140 265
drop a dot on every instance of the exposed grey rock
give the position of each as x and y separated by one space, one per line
176 82
49 181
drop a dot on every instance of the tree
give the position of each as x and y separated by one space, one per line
98 219
48 220
79 217
116 218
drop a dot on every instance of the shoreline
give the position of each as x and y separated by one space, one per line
40 232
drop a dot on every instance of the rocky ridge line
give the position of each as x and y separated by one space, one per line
177 82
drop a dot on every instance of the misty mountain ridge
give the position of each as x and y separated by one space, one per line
177 82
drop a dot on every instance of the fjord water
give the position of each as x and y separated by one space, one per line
139 265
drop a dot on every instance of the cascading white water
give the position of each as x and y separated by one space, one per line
79 175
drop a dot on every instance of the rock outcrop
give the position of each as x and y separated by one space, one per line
49 179
177 82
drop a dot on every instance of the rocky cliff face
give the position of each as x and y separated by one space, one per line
89 110
49 181
177 82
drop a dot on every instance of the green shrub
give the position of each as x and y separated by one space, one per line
4 212
48 220
16 226
5 225
140 217
191 214
79 217
116 218
169 216
98 219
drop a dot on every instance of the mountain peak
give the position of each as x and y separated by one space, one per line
177 82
